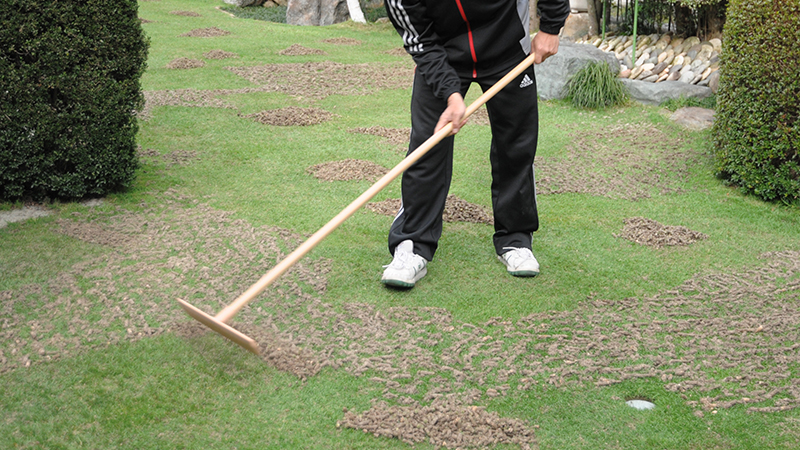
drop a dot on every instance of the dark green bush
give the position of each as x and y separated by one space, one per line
757 125
595 87
69 91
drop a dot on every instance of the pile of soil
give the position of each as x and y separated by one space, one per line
185 13
595 165
219 54
443 423
397 52
299 50
185 63
394 136
292 116
318 80
182 97
347 170
455 210
342 41
206 32
653 234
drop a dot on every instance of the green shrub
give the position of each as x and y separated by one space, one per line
69 91
595 87
757 125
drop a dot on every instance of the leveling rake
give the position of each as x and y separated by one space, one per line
219 323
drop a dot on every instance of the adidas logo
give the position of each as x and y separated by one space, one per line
526 81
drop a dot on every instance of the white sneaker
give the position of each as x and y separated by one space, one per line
520 262
406 267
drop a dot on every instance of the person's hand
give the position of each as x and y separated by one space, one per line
453 113
544 45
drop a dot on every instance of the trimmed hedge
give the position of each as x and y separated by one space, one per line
757 125
69 92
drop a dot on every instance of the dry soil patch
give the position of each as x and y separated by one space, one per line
292 116
206 32
347 170
299 50
185 63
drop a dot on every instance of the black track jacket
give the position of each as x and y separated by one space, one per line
469 38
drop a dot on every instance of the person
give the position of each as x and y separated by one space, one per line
455 43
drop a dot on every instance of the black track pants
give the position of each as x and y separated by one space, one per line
514 120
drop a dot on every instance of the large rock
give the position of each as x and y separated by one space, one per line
553 74
316 12
658 93
577 26
242 3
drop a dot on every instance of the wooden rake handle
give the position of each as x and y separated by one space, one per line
229 311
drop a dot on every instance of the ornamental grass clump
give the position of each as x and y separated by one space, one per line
596 87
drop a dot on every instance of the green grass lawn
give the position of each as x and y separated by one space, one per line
199 391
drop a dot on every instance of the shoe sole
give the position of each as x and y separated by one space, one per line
518 273
394 282
524 273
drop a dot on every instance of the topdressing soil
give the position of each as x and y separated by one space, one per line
720 340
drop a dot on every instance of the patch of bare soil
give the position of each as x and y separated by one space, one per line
342 41
145 20
182 97
179 249
299 50
443 423
479 117
185 63
185 13
455 210
206 32
347 170
400 51
317 80
219 54
601 163
394 136
653 234
292 116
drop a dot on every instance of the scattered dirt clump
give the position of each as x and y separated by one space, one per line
601 163
399 51
292 116
185 63
442 423
653 234
395 136
178 249
455 210
181 97
318 80
479 117
219 54
347 170
185 13
342 41
145 20
206 32
299 50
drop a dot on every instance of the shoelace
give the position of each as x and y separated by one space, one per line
519 253
402 260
